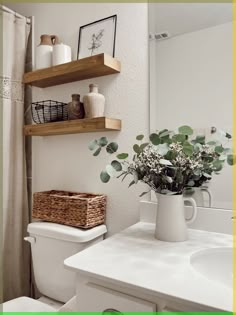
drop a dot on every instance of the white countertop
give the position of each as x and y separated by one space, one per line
135 259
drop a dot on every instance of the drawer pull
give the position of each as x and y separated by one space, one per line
110 310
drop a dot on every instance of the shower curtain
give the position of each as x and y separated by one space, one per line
16 255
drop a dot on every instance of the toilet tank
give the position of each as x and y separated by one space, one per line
51 244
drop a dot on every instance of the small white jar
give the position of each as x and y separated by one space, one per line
61 54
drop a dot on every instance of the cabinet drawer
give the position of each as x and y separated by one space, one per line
95 298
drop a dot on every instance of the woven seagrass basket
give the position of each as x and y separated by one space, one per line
82 210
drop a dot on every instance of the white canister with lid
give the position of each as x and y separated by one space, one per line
61 54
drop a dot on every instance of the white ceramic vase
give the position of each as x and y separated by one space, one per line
44 51
94 103
170 220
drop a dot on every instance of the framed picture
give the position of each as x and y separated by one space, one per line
97 37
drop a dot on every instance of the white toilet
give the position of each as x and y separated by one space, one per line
51 244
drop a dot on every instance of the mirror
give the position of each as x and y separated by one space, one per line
191 80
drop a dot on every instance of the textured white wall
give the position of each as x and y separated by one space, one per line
64 162
193 85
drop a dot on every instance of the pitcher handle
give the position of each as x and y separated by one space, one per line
206 190
194 205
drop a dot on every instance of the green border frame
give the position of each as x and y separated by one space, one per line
116 1
1 164
234 150
124 313
234 128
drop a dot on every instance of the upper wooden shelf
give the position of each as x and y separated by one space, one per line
86 68
73 126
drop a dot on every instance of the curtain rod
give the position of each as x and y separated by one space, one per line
6 9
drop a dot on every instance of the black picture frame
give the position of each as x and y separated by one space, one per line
82 28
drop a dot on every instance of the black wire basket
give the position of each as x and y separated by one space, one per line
49 111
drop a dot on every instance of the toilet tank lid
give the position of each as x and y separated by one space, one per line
65 233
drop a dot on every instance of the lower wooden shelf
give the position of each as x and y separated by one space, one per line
73 126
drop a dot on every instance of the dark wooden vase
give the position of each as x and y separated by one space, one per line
75 108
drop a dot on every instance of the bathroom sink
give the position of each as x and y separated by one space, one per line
215 264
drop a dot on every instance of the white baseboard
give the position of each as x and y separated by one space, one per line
208 219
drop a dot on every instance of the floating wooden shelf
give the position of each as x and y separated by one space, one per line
86 68
73 126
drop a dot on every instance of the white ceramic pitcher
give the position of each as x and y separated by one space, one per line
170 221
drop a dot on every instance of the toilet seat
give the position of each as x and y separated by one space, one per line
25 304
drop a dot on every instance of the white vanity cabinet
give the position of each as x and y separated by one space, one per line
133 272
95 298
98 296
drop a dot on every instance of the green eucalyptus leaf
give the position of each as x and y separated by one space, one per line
219 149
212 143
217 165
122 156
92 145
110 170
103 141
155 139
227 150
188 148
166 140
199 139
185 130
105 177
208 158
162 149
197 147
112 147
231 159
96 153
140 137
143 146
178 138
116 165
164 133
136 148
223 157
165 162
171 155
